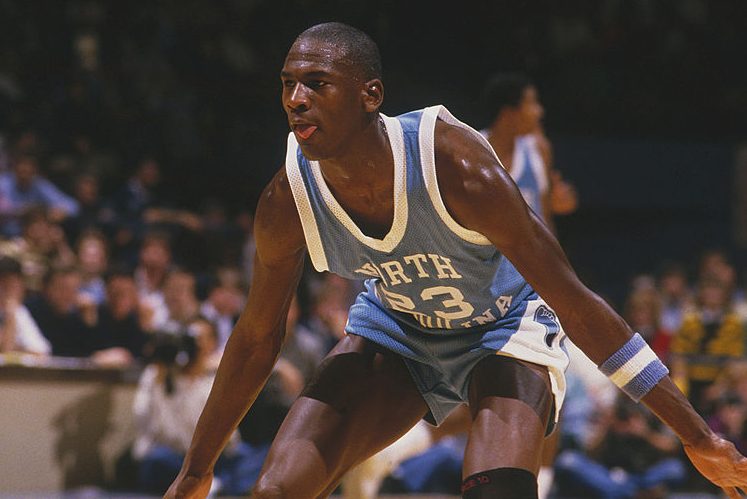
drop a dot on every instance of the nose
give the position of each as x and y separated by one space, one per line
297 99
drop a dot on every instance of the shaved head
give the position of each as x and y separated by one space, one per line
358 50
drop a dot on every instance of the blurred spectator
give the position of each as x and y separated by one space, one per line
590 394
710 336
206 335
732 380
302 348
92 213
41 246
223 237
18 330
117 335
222 306
675 296
137 207
182 305
729 419
170 396
632 453
59 316
331 299
643 312
715 264
93 260
23 188
150 275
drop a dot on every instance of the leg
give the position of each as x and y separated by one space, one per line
361 400
510 401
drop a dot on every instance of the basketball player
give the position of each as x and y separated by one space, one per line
517 136
420 205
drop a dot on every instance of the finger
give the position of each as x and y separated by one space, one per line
732 492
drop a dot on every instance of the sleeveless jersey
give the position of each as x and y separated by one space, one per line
439 295
429 271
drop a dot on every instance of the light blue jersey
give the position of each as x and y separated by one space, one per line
440 295
529 173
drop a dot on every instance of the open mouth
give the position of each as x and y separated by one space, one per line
304 131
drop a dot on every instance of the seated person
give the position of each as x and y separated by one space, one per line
631 454
18 331
58 314
24 187
117 335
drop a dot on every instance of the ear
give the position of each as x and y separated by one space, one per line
373 95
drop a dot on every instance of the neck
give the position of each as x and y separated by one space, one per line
365 160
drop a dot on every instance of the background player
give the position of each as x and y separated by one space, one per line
517 136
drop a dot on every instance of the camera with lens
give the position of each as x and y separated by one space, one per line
172 349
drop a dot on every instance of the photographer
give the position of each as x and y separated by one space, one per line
171 393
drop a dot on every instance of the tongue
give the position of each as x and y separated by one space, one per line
305 131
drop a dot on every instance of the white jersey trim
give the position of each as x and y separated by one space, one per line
428 164
303 206
399 222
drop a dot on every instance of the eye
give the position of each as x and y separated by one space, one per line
316 84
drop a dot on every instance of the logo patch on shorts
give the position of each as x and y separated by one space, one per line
549 319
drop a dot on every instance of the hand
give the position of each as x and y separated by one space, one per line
563 197
189 487
718 460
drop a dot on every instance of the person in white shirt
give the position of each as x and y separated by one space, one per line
171 392
18 330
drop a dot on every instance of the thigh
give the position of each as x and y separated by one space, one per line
361 400
510 401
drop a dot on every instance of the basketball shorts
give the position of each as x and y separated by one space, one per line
441 360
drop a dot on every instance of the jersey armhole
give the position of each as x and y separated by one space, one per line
428 163
303 206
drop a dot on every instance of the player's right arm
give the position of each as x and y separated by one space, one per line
256 339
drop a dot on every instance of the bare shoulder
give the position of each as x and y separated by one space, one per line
470 177
277 226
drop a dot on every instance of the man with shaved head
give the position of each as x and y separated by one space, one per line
465 291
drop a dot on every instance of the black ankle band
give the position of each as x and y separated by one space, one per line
506 483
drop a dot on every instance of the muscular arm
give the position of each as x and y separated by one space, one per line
258 335
482 197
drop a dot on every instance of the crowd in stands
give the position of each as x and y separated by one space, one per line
127 280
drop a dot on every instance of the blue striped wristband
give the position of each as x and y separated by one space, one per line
634 368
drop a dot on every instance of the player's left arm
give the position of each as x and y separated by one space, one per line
481 196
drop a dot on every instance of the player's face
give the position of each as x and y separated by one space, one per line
530 111
322 98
